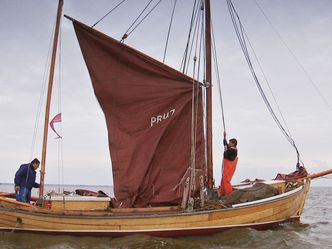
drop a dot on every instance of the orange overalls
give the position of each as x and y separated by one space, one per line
227 174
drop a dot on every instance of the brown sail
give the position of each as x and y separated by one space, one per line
148 110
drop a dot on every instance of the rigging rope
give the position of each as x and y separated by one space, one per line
40 102
195 39
217 73
60 140
193 135
185 55
239 29
169 30
41 97
127 33
215 57
199 44
195 102
267 82
295 57
108 13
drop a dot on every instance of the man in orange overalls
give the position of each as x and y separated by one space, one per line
229 165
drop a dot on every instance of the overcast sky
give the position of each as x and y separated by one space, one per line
305 99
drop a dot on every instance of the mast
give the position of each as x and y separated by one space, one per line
48 100
208 72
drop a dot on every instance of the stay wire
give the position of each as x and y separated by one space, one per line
217 73
41 96
265 78
169 30
199 87
60 140
193 142
40 101
204 95
295 58
198 25
195 98
246 53
205 118
204 44
267 83
108 13
197 21
241 38
185 57
127 33
244 48
215 57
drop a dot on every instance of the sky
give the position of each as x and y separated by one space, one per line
301 82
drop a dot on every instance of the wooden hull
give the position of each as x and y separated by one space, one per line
260 214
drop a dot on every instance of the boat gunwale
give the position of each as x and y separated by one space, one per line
268 199
135 215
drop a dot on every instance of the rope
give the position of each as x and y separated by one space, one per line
193 137
205 129
185 55
295 58
239 29
197 22
169 30
127 33
41 97
217 73
60 140
195 43
194 103
108 13
267 82
215 57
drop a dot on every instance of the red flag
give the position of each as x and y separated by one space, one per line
56 119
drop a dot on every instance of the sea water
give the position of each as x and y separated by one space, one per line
313 231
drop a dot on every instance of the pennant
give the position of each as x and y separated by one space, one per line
56 119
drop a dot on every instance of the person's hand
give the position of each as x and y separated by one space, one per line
17 189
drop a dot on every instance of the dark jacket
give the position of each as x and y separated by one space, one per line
26 177
230 153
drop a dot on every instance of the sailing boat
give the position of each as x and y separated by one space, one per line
161 165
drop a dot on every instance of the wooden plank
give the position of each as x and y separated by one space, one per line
79 205
145 210
9 200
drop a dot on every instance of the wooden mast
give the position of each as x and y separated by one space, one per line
208 72
48 100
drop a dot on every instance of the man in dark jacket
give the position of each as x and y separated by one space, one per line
25 180
229 166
